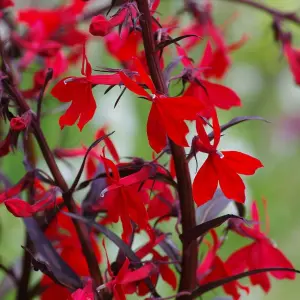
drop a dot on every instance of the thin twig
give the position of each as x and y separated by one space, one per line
290 16
23 285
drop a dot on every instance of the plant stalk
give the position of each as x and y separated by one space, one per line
189 252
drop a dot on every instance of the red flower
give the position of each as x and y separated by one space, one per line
204 25
220 62
167 114
79 91
20 208
293 56
210 93
124 282
124 199
220 167
6 3
123 47
52 19
212 268
260 254
162 202
86 293
164 269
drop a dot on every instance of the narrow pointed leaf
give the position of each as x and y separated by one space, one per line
174 41
60 269
236 121
218 283
94 144
203 228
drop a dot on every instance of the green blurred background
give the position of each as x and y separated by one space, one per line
261 77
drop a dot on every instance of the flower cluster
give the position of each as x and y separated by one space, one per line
66 239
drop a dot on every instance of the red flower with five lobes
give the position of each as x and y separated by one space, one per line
221 168
78 90
262 253
293 56
167 114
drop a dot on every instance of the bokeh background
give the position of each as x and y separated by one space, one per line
259 75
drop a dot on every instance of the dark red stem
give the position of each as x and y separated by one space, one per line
189 252
23 285
291 16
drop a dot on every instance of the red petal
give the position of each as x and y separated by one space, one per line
86 293
255 215
137 177
256 260
71 115
111 79
185 59
108 142
64 89
119 17
181 108
230 182
273 257
241 163
147 248
219 64
219 95
132 85
205 182
18 207
216 128
175 127
88 107
123 271
110 272
203 137
111 167
156 132
143 74
53 290
168 275
135 206
16 189
138 274
293 57
237 261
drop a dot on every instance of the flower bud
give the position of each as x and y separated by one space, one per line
99 26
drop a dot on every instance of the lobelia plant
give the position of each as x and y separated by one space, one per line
65 239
